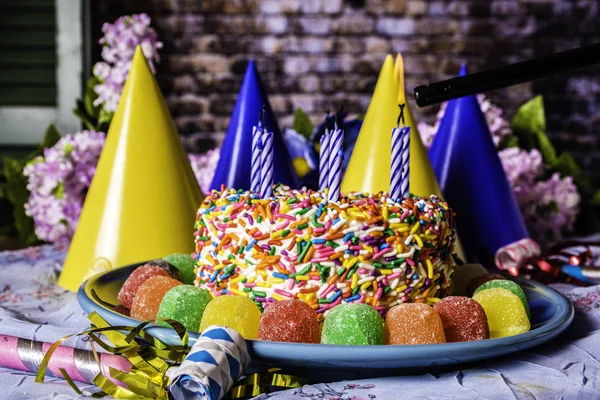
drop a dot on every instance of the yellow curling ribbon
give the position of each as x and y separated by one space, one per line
267 382
149 357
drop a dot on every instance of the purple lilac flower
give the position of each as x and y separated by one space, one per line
204 166
118 46
58 183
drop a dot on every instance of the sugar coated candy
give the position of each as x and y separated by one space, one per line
413 323
480 280
135 280
505 312
149 296
185 264
185 304
289 321
235 312
463 275
508 285
168 267
463 319
357 324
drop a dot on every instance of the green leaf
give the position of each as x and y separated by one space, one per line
90 96
529 125
508 141
59 190
596 198
87 121
104 119
565 165
302 124
15 190
51 137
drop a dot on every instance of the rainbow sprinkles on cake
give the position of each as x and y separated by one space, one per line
297 244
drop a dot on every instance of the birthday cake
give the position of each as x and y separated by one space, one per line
296 244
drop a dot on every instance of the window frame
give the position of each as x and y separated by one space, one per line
25 125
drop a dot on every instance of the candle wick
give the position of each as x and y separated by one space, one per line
263 116
337 121
401 115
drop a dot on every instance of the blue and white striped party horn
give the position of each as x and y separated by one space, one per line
216 361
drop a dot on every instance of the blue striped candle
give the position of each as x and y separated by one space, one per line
266 189
324 153
405 166
256 157
396 164
336 156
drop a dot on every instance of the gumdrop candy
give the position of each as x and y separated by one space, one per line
413 323
185 304
135 280
235 312
185 264
463 275
505 313
289 321
508 285
148 297
463 319
480 280
356 324
168 267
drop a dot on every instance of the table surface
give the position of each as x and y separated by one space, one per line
32 306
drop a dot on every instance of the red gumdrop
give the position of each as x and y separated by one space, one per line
480 280
463 319
135 280
289 321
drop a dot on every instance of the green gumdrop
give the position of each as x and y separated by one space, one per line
185 304
185 264
510 286
355 324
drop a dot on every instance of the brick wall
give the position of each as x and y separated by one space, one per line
312 53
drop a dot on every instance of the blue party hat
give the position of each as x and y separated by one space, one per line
233 169
466 163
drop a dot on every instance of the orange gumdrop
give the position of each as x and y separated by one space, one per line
413 323
149 296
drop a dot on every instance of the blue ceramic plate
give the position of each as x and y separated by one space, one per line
551 314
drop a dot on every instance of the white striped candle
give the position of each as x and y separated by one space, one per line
405 166
336 156
266 189
324 153
256 157
396 164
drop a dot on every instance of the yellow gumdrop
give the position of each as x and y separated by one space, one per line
505 312
235 312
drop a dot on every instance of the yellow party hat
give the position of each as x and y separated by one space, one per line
143 199
369 166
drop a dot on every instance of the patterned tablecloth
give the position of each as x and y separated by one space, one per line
32 306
